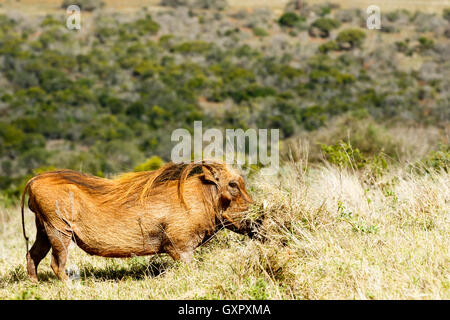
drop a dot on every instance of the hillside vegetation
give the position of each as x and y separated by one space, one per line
104 99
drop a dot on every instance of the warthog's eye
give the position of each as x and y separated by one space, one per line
233 184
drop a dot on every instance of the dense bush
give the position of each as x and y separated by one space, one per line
328 46
151 164
344 155
290 19
145 26
403 46
322 27
260 32
350 38
425 43
435 161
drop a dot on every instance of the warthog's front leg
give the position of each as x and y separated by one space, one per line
187 257
181 254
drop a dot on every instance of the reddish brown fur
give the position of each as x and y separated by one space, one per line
173 210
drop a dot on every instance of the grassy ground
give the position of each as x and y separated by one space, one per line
332 234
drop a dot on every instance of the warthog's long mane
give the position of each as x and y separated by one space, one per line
146 183
130 188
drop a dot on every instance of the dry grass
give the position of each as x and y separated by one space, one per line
330 236
40 6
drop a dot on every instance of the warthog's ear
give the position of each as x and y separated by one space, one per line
210 174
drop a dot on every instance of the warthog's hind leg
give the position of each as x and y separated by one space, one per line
60 248
38 251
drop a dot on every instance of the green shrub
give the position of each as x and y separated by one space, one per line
344 155
313 117
324 25
350 38
33 158
151 164
364 134
403 46
260 32
145 26
328 46
436 160
290 19
40 170
425 44
392 16
50 21
106 128
10 136
324 11
146 69
252 91
193 47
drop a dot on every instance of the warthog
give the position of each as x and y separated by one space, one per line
171 210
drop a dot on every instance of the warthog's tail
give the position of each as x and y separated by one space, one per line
22 204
